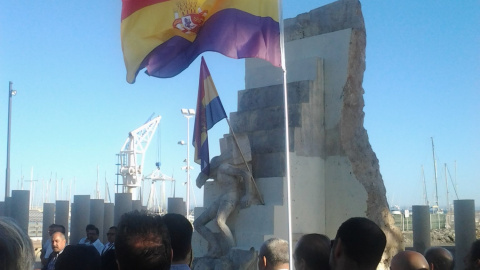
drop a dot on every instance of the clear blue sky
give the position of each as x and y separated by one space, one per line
74 108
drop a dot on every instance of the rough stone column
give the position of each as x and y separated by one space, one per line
97 215
80 217
123 204
176 205
108 210
48 219
421 227
464 229
62 210
19 208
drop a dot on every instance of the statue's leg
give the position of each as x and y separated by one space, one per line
200 226
226 207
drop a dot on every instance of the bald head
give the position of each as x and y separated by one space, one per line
409 260
439 258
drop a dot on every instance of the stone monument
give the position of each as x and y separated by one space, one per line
334 172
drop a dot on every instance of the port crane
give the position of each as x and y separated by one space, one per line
132 155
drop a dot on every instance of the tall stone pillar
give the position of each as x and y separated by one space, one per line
8 203
80 217
108 210
48 219
464 211
177 206
97 211
137 205
2 209
421 227
19 208
123 204
62 210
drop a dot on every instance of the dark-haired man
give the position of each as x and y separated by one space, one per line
359 244
84 240
180 230
439 258
472 260
92 236
312 252
142 242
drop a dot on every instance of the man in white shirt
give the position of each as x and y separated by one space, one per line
112 231
84 240
92 237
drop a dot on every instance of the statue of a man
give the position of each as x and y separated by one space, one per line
229 178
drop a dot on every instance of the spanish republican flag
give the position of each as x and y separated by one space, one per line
165 36
209 112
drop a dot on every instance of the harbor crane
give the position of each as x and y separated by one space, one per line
132 155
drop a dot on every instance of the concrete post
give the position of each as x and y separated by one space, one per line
123 204
464 211
62 211
8 203
19 208
97 211
108 210
137 205
421 227
176 205
48 219
80 217
2 209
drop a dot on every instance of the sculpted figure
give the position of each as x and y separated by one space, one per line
236 185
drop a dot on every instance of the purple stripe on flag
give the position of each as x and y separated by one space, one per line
231 32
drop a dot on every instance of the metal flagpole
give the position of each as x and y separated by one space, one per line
287 139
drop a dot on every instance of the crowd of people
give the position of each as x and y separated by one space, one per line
147 241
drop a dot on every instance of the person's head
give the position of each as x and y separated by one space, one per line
409 260
273 254
180 230
112 231
89 227
142 242
59 228
58 241
359 243
16 249
92 234
472 260
439 258
78 257
312 252
51 229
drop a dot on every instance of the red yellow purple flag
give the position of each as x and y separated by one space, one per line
209 112
165 36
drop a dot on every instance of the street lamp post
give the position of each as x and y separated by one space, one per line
188 113
11 93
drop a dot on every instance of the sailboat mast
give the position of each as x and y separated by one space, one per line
425 197
435 168
446 186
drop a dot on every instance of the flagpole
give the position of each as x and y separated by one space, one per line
287 139
245 161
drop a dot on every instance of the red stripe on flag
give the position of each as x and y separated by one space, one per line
130 6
